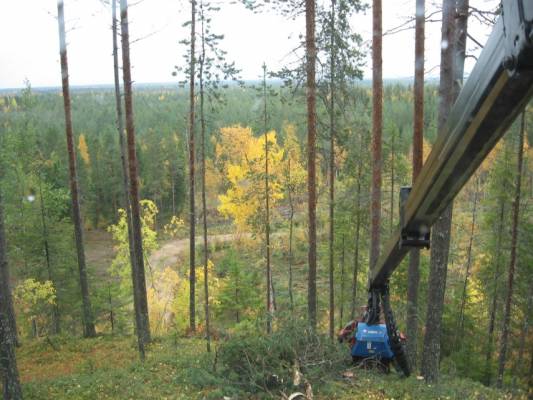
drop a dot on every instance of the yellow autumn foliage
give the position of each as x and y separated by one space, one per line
241 157
168 299
84 150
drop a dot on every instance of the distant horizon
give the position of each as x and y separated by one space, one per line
366 81
250 39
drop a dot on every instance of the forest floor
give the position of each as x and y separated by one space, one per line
107 367
170 250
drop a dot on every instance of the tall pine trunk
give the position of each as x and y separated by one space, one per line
143 327
341 297
332 175
440 241
269 288
310 45
357 231
87 314
125 180
192 155
523 334
413 273
291 227
8 361
494 302
377 127
512 263
204 203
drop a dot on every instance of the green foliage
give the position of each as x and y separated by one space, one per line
34 301
121 265
239 294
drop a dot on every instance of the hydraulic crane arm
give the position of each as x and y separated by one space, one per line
498 88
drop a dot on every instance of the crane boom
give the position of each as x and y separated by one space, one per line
498 88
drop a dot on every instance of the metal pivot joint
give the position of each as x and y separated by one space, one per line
410 238
517 16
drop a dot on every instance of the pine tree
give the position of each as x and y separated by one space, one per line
332 173
138 313
311 156
413 274
8 361
440 241
144 324
502 359
88 318
377 127
192 155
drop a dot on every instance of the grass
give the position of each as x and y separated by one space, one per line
107 367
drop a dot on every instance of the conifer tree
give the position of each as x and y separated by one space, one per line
143 325
87 313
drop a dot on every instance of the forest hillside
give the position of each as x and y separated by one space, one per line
222 238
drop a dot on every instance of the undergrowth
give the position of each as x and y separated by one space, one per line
242 366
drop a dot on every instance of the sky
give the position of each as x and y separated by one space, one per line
30 47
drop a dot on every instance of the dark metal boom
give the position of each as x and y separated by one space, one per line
496 91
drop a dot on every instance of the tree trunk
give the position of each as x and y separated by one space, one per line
204 202
494 303
8 361
332 176
530 382
291 220
87 314
192 210
126 184
144 326
110 300
311 156
377 127
341 300
440 241
523 334
392 178
56 328
512 263
357 231
267 211
464 297
413 273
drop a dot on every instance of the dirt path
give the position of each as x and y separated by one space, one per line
169 252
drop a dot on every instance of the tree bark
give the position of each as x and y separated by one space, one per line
267 211
530 382
291 221
311 156
204 202
192 210
494 303
440 241
8 361
341 299
144 326
512 263
377 128
332 175
523 334
138 314
413 272
87 314
357 231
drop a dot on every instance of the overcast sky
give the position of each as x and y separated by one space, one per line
29 46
